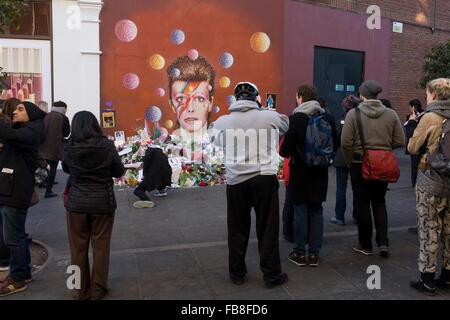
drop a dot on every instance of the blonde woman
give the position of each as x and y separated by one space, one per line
432 191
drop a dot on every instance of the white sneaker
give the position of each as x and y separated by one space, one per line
161 193
143 204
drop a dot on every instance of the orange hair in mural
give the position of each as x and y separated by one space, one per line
185 69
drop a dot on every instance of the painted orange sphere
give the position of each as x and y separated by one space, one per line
224 82
169 124
156 61
260 42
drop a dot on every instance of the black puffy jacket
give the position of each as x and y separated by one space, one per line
157 170
18 161
92 164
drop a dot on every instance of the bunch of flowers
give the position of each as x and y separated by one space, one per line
202 166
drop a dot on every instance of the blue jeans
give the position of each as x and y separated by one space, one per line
341 194
16 240
308 227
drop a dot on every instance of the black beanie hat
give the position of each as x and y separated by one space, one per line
33 111
370 89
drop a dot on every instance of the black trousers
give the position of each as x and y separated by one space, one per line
4 251
288 215
142 186
415 160
51 174
260 193
370 194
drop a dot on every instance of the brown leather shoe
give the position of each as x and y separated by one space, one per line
78 295
98 293
9 286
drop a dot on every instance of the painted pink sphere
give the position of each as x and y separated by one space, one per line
192 54
125 30
160 92
130 81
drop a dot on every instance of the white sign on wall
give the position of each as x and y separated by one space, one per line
397 27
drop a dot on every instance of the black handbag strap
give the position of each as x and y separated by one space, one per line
360 129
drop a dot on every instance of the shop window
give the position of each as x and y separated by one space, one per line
26 70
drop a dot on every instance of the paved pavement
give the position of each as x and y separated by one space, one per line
178 250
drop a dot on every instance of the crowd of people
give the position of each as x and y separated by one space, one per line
359 146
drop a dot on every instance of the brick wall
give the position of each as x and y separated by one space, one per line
420 12
407 49
406 61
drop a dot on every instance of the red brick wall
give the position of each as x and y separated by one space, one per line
406 61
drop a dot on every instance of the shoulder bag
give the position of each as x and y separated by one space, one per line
379 165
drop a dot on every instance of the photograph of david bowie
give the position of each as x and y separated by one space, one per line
120 135
271 100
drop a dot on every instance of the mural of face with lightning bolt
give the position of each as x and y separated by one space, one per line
192 104
191 88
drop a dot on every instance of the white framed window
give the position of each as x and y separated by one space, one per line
27 64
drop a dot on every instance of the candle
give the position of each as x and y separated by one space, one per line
25 91
20 95
14 91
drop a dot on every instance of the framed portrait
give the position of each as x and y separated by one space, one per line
271 100
109 119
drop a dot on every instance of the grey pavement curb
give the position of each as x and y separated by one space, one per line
50 256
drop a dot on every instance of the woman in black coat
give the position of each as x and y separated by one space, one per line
92 161
157 175
308 184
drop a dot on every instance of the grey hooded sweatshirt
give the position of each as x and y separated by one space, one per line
250 138
382 131
309 108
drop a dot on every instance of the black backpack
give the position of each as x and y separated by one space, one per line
439 160
318 149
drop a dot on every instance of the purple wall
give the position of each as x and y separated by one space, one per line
306 26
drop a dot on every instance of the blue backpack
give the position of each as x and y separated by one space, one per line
318 151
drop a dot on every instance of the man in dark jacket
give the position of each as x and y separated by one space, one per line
342 171
309 185
412 120
17 165
56 128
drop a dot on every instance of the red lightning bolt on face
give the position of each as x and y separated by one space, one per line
189 89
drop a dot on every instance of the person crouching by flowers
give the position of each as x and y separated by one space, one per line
157 175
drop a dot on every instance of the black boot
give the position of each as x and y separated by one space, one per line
443 282
140 192
425 284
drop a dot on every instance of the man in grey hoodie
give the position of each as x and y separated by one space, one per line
251 171
382 131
